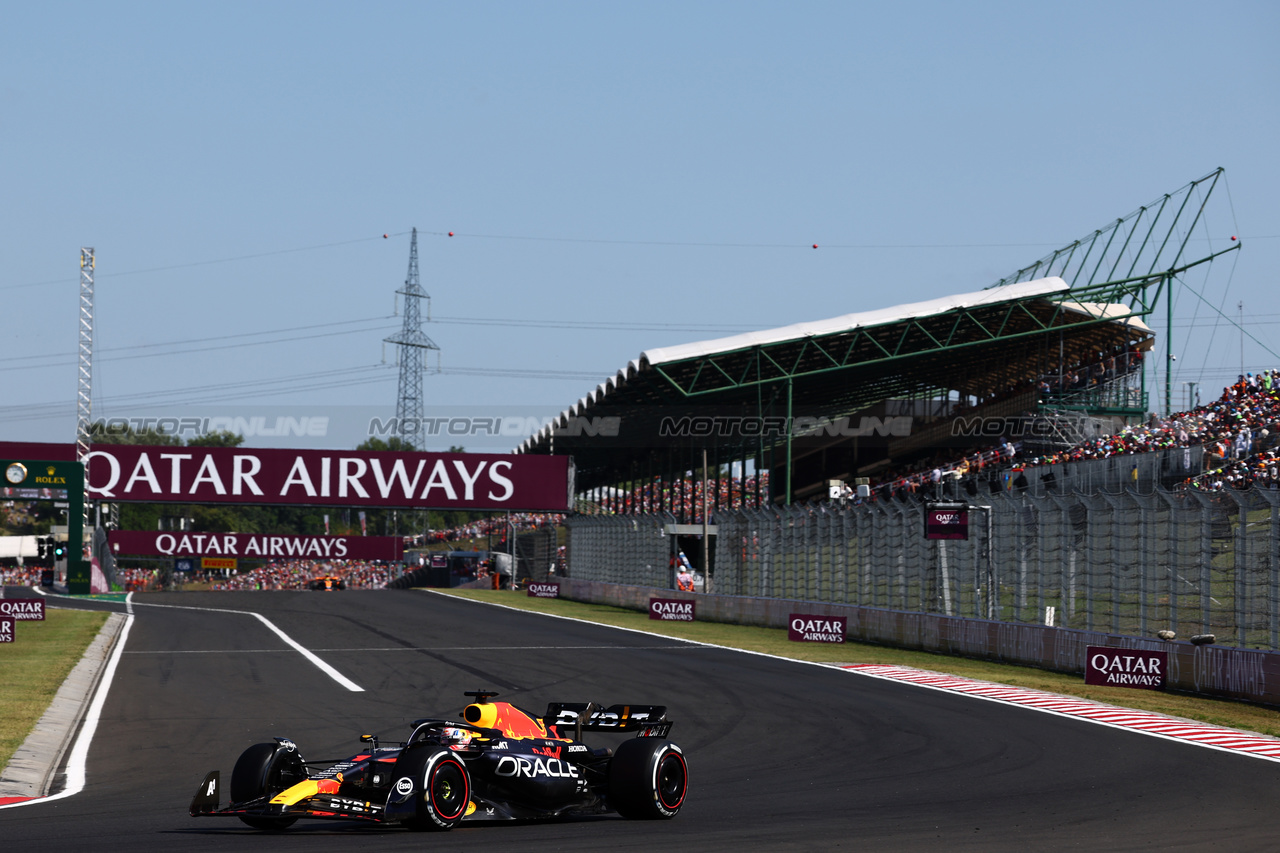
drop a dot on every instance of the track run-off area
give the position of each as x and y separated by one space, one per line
783 755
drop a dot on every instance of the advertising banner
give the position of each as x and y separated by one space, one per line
6 629
807 628
671 610
207 563
238 475
149 543
544 590
1110 667
946 523
23 609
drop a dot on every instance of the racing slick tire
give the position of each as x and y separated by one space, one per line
445 795
264 770
648 779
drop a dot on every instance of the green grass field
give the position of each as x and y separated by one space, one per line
35 664
1240 715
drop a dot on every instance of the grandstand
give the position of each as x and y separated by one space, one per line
1059 344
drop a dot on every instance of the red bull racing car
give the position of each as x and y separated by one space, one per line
498 763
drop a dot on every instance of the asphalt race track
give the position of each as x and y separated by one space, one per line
782 756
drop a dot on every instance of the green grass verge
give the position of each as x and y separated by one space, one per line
1240 715
35 664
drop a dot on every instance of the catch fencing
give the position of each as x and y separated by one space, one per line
1127 563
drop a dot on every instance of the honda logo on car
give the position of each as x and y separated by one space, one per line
807 628
1110 667
671 610
544 590
26 609
512 765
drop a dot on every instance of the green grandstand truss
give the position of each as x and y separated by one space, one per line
1133 245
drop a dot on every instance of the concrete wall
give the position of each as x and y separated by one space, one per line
1215 671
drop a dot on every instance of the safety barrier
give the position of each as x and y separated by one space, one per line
1209 670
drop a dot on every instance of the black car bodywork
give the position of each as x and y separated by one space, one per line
499 763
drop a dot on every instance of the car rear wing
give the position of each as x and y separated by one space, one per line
649 720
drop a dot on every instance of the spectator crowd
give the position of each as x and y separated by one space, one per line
297 574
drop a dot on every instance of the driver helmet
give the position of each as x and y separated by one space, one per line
455 737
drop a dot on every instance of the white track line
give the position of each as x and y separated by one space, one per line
75 774
76 762
395 649
1234 741
298 647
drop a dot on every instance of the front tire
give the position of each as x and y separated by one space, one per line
264 770
445 794
648 779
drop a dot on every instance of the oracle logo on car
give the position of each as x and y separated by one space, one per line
544 590
31 609
1138 668
807 628
671 610
511 765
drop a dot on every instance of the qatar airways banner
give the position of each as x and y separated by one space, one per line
237 475
147 543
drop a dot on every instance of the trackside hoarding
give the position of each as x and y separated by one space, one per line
237 475
671 609
23 609
544 590
255 546
1111 667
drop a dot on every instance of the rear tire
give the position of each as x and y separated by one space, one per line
445 793
648 779
264 770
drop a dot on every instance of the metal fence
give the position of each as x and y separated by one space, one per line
1126 563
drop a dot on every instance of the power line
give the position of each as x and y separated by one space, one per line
106 354
545 239
210 262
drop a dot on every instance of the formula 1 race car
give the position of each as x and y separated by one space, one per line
326 583
499 763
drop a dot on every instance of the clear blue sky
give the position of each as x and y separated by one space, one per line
236 164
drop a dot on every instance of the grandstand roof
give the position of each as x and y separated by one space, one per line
972 343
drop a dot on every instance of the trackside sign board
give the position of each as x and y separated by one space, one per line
255 545
943 523
6 629
808 628
240 475
23 609
671 610
544 590
1110 667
